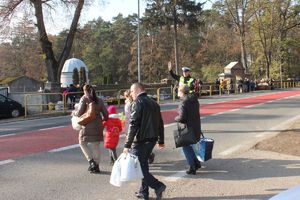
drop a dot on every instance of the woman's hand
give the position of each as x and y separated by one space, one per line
126 150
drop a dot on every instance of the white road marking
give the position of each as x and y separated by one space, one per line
272 131
175 177
64 148
260 135
215 114
234 110
230 150
43 129
3 162
280 127
250 106
7 135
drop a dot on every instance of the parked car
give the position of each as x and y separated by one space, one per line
10 108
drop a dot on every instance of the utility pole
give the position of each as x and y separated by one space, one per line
139 51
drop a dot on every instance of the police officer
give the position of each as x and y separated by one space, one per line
185 79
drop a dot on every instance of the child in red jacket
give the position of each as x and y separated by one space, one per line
112 133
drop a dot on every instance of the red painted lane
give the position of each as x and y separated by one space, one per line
40 141
34 142
209 109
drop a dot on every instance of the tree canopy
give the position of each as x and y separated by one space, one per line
263 35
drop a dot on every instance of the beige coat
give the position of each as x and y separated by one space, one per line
92 132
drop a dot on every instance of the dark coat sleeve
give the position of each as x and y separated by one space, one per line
134 124
182 113
161 133
174 76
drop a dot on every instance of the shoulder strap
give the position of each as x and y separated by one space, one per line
201 135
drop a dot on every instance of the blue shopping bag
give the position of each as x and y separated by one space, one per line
204 148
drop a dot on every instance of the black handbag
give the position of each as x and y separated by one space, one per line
183 136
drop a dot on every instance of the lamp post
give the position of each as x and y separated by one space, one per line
138 38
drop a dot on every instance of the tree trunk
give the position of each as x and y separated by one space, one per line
243 52
48 55
70 38
54 66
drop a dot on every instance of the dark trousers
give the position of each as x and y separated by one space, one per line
143 152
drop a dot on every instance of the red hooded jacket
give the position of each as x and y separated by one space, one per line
113 129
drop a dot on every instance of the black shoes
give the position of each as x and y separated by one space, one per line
151 158
95 170
197 164
94 167
192 170
159 191
141 196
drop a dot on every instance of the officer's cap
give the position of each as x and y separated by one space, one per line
186 69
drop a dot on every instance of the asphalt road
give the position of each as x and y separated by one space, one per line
234 122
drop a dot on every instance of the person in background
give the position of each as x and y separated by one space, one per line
72 95
127 109
146 129
92 133
217 84
188 114
113 127
185 79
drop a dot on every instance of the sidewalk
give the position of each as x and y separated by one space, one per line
255 174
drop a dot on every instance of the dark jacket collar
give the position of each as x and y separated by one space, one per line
142 94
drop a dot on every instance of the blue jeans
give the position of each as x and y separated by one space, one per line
143 152
189 155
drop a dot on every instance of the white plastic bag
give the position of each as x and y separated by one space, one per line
75 124
131 168
115 176
126 168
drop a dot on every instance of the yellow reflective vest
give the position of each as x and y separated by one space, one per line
189 83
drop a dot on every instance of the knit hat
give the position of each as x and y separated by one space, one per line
112 109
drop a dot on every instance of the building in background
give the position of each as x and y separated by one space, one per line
21 84
66 78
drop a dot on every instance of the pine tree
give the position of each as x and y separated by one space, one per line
75 76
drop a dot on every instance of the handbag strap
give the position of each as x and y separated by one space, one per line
179 128
201 134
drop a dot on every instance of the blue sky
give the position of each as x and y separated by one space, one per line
106 9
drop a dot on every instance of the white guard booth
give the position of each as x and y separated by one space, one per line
66 77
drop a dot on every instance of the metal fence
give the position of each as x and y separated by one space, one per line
57 102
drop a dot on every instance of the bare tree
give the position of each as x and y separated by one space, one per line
8 10
240 14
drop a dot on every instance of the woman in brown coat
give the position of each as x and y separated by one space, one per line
91 133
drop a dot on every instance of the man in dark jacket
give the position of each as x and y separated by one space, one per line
72 95
146 128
